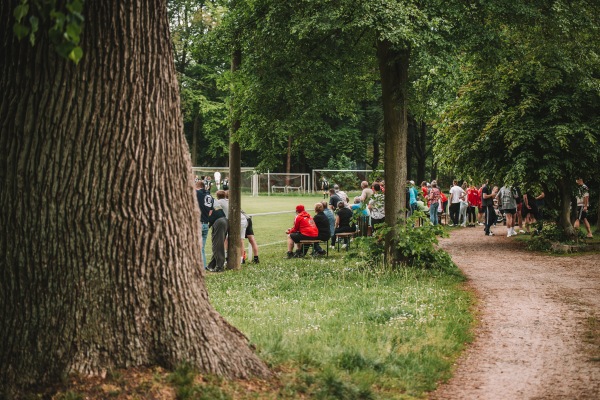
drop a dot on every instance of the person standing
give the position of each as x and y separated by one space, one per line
583 201
456 193
334 199
507 201
377 206
251 238
487 202
435 199
341 194
219 225
367 192
474 200
205 201
412 197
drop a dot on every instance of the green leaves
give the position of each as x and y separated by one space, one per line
64 25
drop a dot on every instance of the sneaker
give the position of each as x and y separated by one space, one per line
344 246
490 234
255 260
464 225
290 254
480 224
522 231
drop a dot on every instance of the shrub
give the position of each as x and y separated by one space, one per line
415 246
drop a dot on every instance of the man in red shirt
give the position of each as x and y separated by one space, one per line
304 229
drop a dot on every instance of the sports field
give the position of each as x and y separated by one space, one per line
271 217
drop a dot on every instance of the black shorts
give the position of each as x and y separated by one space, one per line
249 230
511 211
581 213
297 237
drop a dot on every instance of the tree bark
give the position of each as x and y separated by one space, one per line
421 152
393 68
99 225
196 140
564 216
234 244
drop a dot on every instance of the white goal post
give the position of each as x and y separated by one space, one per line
249 178
279 182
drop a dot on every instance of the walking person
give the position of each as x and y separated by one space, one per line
487 202
434 200
583 201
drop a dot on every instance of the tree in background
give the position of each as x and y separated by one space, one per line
527 110
100 229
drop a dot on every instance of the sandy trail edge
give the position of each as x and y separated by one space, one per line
533 340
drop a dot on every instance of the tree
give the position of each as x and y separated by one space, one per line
527 112
99 227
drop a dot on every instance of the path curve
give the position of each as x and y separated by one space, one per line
539 330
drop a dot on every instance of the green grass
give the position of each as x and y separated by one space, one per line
342 331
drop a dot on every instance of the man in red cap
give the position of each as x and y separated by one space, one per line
304 229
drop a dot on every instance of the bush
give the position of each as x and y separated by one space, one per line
415 246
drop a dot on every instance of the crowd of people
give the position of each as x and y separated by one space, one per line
214 214
466 206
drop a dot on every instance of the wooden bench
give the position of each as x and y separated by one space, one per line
312 243
344 235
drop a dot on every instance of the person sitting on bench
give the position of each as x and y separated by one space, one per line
343 221
304 229
322 223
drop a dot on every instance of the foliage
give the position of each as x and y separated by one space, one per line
183 379
415 245
62 20
526 111
550 233
338 330
346 180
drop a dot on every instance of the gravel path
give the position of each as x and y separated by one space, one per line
539 330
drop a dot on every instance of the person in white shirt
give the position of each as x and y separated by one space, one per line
456 192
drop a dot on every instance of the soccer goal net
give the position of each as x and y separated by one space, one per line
277 182
219 177
347 179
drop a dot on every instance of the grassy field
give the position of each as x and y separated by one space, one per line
335 329
329 328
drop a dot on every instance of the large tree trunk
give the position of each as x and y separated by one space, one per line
196 141
235 180
393 68
99 227
421 152
564 216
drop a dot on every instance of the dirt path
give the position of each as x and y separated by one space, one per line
539 331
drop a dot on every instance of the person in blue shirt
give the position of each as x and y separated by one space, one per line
412 197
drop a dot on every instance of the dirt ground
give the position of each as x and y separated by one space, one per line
539 330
